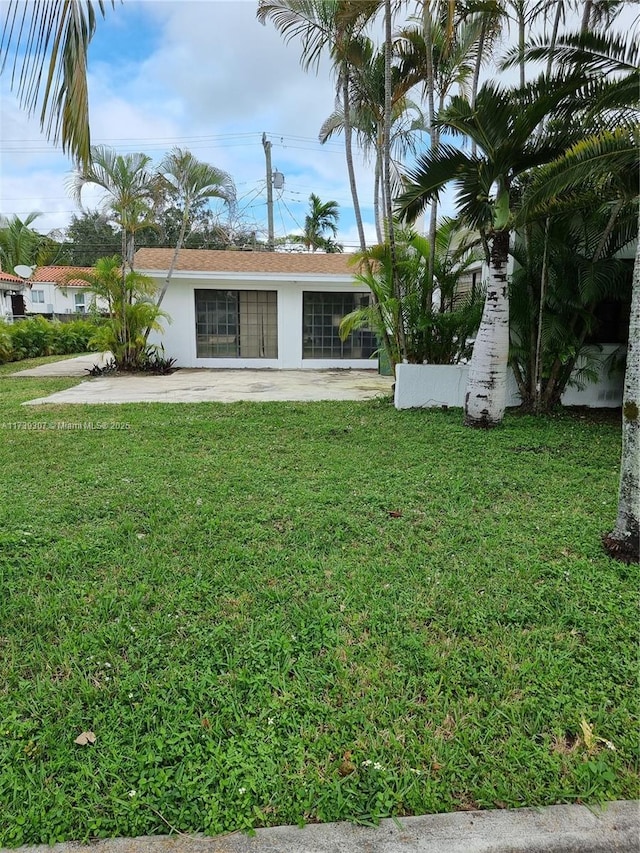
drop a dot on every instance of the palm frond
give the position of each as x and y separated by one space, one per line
48 42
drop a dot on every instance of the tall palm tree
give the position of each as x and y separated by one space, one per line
192 182
504 126
131 187
48 43
366 107
325 25
438 55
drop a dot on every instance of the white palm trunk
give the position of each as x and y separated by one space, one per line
486 387
624 540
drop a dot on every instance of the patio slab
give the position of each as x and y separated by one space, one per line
222 386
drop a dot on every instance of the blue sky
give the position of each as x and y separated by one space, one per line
202 75
206 76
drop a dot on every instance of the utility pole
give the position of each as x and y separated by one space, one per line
267 153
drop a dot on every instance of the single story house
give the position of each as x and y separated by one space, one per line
259 309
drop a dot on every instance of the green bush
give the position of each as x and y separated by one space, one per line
36 337
32 338
6 344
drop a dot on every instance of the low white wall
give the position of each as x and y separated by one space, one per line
420 386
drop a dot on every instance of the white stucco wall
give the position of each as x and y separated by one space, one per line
57 300
433 385
179 339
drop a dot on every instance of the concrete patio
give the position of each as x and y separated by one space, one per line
201 385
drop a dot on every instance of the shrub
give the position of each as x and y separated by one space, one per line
32 338
35 337
6 345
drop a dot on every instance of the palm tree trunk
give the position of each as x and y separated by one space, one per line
521 41
544 277
476 76
174 259
377 193
624 540
387 174
554 36
486 389
348 134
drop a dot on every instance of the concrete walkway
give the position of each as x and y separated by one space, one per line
222 386
555 829
76 366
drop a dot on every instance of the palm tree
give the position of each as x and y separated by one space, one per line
326 25
132 311
48 42
192 182
438 56
131 188
436 332
366 107
19 243
322 217
504 125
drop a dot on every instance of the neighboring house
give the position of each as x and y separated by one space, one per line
53 291
259 309
12 291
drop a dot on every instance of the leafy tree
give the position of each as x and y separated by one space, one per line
90 236
48 43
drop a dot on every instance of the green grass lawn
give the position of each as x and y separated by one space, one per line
283 613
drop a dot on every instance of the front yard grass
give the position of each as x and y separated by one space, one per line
282 613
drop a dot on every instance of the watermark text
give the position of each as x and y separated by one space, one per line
42 426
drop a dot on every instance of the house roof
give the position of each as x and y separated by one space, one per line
211 260
62 276
8 277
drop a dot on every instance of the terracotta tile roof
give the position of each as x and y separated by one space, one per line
6 276
210 260
62 276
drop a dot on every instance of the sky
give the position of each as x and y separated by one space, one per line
203 75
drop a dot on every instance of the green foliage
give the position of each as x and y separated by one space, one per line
574 253
89 236
6 343
220 594
428 322
322 217
37 336
133 312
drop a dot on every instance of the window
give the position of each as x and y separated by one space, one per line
236 323
321 316
37 297
78 303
